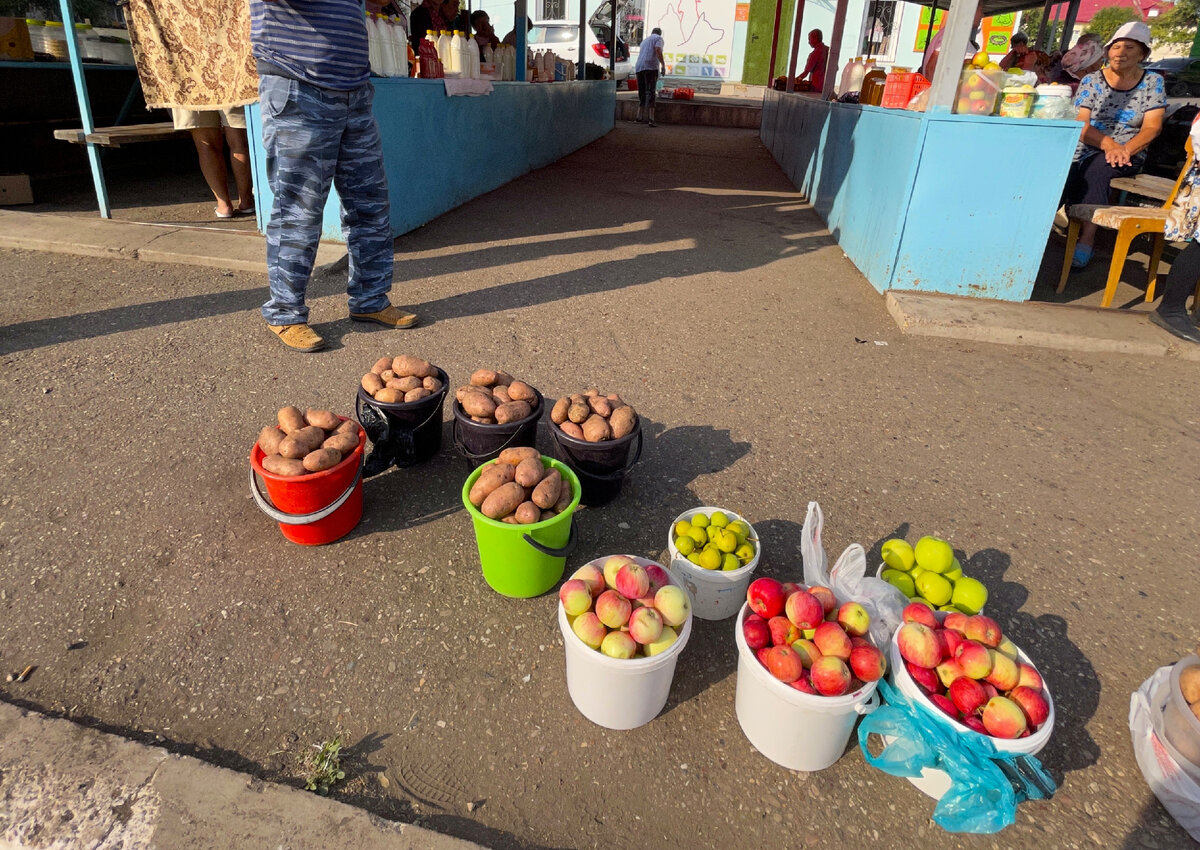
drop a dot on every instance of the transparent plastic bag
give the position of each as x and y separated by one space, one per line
986 785
1178 792
848 579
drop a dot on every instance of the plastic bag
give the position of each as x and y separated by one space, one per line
1176 790
986 784
919 101
848 579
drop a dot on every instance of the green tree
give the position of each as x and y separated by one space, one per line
1031 25
1177 26
1108 20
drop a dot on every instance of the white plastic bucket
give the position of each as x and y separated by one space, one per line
935 783
796 730
619 693
716 594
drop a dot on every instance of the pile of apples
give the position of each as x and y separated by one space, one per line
623 609
968 669
714 541
930 571
807 640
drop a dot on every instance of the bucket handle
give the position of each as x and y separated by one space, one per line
554 553
620 473
380 433
299 519
469 455
869 705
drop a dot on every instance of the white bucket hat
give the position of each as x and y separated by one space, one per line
1132 31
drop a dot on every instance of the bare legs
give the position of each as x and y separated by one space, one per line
210 148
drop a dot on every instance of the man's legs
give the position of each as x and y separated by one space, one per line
211 152
643 78
302 131
366 217
1181 282
651 95
239 158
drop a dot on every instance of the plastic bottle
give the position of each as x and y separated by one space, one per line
372 45
455 52
852 76
387 58
873 82
399 45
442 42
473 55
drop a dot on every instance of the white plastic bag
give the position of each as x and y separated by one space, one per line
1177 791
848 579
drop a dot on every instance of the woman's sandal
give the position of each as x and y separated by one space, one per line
1081 257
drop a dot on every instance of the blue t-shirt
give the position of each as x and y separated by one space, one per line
647 55
1117 113
322 42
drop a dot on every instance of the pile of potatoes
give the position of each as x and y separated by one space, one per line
496 398
516 488
400 380
593 416
306 442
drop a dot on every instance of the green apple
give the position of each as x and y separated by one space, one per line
901 580
740 528
694 558
730 562
685 545
682 528
699 535
951 609
745 553
727 541
700 521
898 555
718 519
915 572
710 559
970 595
934 554
934 588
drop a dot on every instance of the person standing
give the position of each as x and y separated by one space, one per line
814 69
650 62
315 94
213 130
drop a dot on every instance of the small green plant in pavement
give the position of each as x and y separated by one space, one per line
322 766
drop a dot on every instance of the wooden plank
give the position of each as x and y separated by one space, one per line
114 137
75 135
1146 185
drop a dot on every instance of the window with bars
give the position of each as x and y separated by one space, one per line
881 30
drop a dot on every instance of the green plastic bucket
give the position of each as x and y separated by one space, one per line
524 560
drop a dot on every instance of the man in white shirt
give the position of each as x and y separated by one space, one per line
650 61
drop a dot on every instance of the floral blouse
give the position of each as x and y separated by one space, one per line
1118 113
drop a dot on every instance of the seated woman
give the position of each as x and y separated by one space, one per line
1122 109
1019 44
485 35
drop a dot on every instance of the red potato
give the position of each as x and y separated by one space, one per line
503 500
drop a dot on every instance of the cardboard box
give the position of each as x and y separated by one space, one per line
15 189
14 40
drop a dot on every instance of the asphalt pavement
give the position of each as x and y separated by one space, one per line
677 266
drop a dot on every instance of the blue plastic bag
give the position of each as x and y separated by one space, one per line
986 784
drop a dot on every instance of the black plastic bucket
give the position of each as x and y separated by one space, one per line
601 467
402 434
480 443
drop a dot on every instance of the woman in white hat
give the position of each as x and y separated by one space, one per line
1122 107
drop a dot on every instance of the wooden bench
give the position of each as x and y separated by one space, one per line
1144 185
115 137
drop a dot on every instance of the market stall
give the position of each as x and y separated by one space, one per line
929 201
442 151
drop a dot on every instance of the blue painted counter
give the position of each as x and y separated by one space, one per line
956 204
441 152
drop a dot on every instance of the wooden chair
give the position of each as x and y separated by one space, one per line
1129 222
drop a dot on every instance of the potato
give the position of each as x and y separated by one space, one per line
517 454
492 477
322 459
622 421
503 379
483 420
600 405
431 383
545 494
503 500
500 394
527 513
406 365
532 402
511 520
530 471
462 391
387 395
326 420
416 395
614 401
558 413
295 446
1189 684
348 427
372 383
514 411
404 384
269 439
595 429
572 430
591 391
381 364
521 391
290 419
478 404
578 398
280 465
387 375
344 443
483 378
578 412
564 497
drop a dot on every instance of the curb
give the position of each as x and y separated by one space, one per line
65 785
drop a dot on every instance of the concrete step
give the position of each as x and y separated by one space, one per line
703 111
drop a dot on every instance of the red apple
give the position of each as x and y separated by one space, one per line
1030 676
974 659
1003 718
830 676
832 640
784 664
943 703
983 629
1032 703
782 631
868 663
804 685
926 679
918 644
949 671
915 612
967 695
854 619
973 722
766 598
955 622
828 600
804 609
757 632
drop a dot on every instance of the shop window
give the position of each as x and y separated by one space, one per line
881 30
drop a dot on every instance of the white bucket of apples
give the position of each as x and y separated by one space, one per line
806 671
970 677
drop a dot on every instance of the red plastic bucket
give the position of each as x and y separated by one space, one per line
312 509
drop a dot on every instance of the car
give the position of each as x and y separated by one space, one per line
562 37
1181 75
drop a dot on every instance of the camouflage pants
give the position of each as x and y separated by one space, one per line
314 137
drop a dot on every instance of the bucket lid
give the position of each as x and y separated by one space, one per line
1054 89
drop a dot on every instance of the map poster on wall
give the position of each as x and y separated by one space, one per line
697 36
